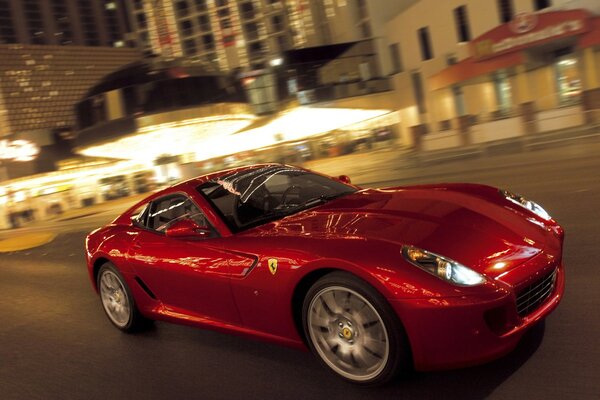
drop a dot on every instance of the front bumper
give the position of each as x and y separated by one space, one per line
455 332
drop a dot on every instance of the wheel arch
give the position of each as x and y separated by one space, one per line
299 293
99 262
307 281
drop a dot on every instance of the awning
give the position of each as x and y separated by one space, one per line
469 69
509 46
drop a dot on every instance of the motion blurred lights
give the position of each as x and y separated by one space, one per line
297 124
18 150
218 136
174 138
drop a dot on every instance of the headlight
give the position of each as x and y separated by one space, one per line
442 267
528 204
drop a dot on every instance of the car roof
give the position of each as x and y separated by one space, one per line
207 177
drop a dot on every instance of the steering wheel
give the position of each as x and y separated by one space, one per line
287 191
257 204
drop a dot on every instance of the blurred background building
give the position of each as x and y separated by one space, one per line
221 83
64 22
471 72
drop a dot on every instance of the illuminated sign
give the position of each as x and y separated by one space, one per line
18 150
528 29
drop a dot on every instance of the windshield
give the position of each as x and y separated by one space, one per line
253 197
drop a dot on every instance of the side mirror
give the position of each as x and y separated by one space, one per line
344 179
187 228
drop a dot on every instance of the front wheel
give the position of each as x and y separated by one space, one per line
117 300
353 330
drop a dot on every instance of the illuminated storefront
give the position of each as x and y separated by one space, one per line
47 196
193 115
536 57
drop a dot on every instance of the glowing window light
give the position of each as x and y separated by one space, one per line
18 150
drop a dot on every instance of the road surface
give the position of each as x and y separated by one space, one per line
56 343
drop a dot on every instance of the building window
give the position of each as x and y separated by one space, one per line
88 23
362 9
277 23
34 20
201 5
251 31
112 23
141 20
568 79
365 29
425 43
247 10
64 32
209 42
541 4
282 43
505 10
7 30
417 84
189 47
186 27
462 24
204 22
225 23
182 8
503 92
395 57
255 50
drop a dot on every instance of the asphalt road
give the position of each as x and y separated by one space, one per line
56 343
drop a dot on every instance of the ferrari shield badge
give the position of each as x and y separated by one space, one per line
272 263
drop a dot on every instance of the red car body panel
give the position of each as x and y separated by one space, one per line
224 283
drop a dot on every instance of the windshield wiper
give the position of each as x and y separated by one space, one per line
324 198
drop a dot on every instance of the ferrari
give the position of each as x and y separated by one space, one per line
375 282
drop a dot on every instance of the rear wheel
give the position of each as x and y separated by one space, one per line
117 300
353 330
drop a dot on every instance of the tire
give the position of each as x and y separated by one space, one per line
118 302
353 330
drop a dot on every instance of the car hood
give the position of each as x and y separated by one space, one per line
470 224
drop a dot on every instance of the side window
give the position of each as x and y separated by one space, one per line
164 212
139 216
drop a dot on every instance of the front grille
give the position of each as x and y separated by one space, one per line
532 296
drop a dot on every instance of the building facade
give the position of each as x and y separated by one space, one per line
250 34
64 22
226 33
483 70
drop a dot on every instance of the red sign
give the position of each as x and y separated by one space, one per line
529 29
523 22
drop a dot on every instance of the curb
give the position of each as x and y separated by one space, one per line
26 241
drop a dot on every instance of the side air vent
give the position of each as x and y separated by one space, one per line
144 287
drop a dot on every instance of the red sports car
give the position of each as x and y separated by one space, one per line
373 281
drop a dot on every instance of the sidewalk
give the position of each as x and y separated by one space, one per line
397 164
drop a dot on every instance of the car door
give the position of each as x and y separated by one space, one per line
189 275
